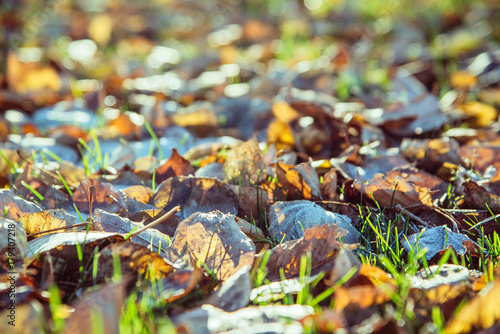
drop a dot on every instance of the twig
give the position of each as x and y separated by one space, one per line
484 221
412 216
155 222
57 229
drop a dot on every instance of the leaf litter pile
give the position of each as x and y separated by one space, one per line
249 166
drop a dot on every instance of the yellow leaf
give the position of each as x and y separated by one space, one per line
482 311
100 29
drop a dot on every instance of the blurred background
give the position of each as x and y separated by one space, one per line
53 50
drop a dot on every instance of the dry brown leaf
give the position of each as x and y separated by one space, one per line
176 165
421 179
244 165
213 240
284 112
320 241
101 196
362 296
195 194
299 181
167 227
444 286
431 154
180 283
134 259
253 202
329 185
139 192
392 191
478 197
29 77
481 156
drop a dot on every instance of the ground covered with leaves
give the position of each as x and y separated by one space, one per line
249 166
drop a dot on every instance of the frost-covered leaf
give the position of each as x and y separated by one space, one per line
438 239
288 220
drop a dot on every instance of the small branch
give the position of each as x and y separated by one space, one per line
57 229
156 221
412 216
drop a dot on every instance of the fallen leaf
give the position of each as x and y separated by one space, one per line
431 154
300 181
479 198
46 220
389 192
244 165
320 241
98 195
195 195
121 126
213 240
439 238
134 260
479 114
139 192
362 296
176 165
57 241
14 206
288 220
180 283
112 223
480 312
